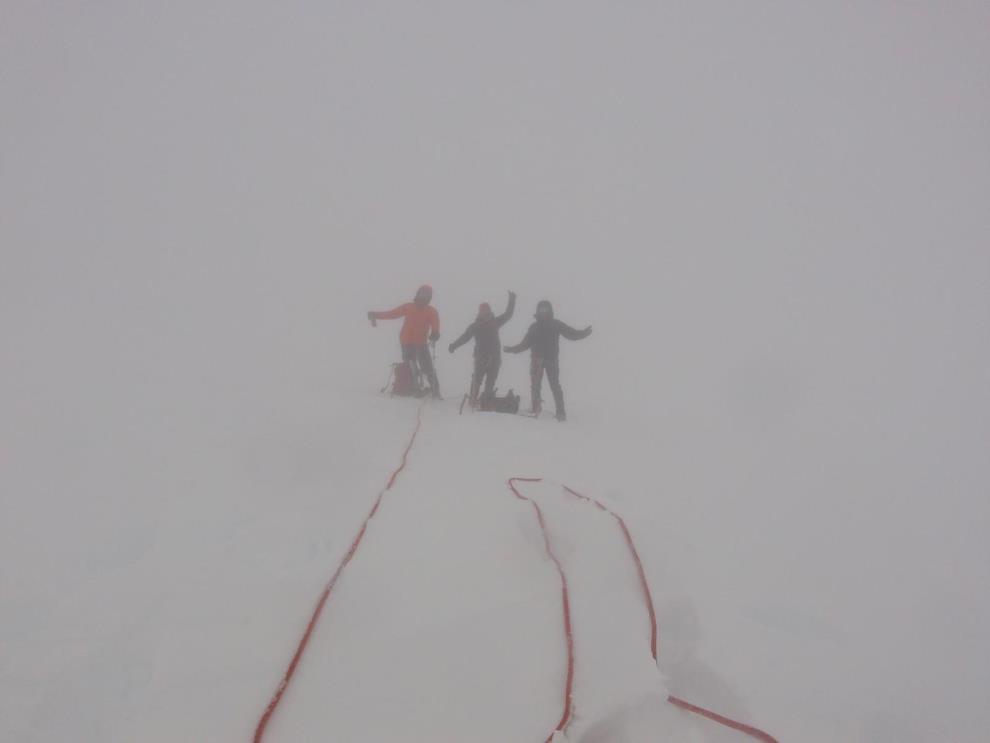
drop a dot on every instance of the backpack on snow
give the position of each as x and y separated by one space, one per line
403 381
494 404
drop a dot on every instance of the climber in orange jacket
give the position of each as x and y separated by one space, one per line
420 327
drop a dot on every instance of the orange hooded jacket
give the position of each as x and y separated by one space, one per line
419 321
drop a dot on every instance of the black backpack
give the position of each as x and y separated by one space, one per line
494 404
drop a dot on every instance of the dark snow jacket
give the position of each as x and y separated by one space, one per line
543 337
484 330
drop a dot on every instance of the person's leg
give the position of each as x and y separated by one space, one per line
479 372
492 375
409 359
426 366
411 356
536 382
553 376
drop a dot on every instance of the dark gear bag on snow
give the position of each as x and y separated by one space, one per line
494 404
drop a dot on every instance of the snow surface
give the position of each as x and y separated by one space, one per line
775 220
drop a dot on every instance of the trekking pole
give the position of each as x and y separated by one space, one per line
391 372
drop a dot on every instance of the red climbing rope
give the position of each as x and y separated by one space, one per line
565 716
259 732
753 732
644 585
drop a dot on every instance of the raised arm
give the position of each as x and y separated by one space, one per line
465 337
570 333
507 315
526 342
399 311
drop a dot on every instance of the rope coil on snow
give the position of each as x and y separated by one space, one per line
565 717
749 730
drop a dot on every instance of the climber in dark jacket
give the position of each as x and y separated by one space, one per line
543 337
487 346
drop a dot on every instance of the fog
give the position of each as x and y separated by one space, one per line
775 217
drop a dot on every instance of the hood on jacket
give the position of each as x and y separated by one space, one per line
423 295
544 310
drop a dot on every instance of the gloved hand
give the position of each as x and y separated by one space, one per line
434 337
450 348
588 330
512 294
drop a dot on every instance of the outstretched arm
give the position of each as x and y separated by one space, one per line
399 311
465 337
507 315
570 333
526 343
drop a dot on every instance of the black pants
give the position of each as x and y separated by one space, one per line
420 357
552 368
485 369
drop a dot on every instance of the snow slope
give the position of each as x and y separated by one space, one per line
447 623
